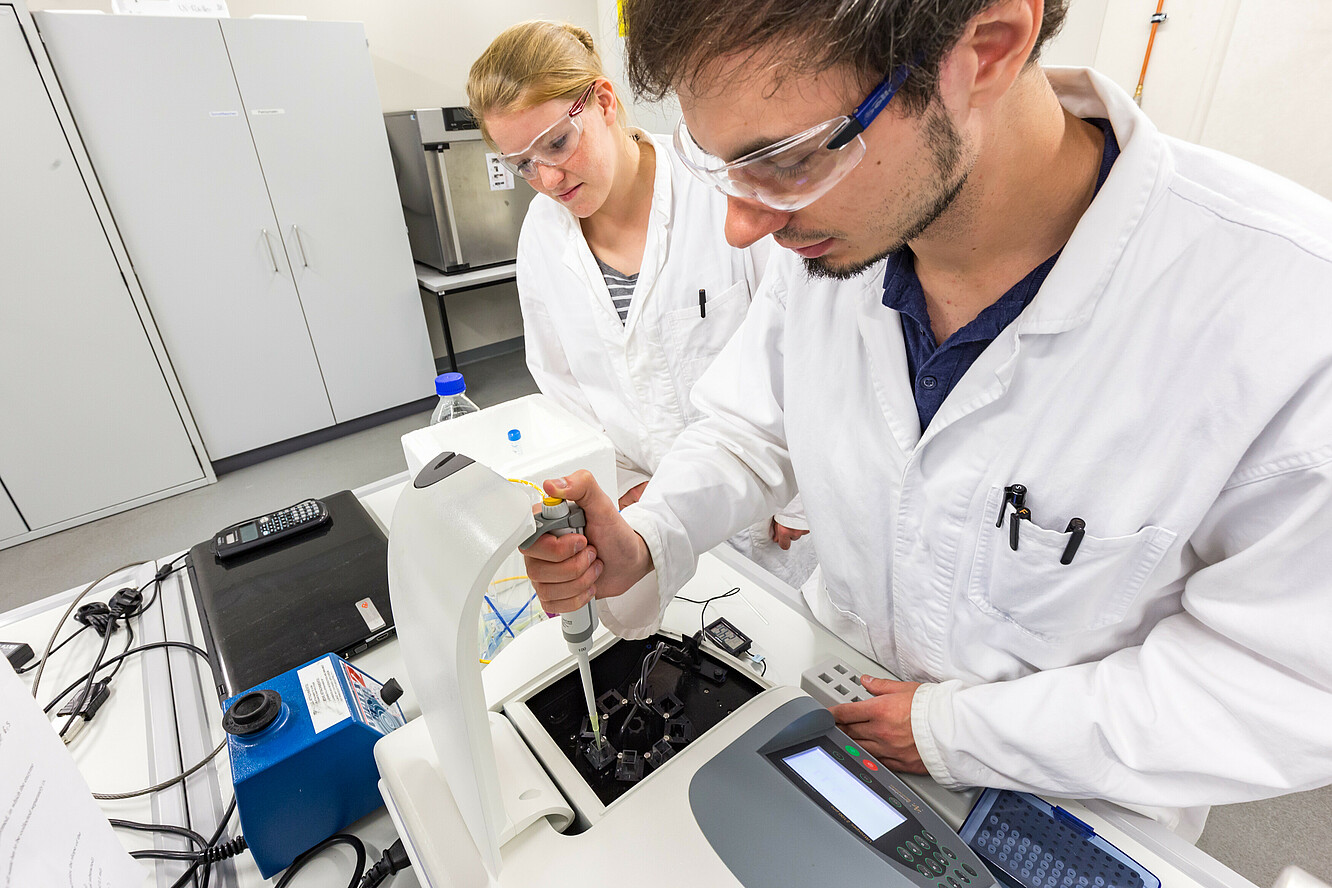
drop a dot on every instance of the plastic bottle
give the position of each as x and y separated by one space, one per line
453 403
515 442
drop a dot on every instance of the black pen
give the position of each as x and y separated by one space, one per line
1015 494
702 303
1023 514
1078 528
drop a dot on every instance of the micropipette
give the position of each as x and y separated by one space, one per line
558 518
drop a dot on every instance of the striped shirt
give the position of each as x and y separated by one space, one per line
621 287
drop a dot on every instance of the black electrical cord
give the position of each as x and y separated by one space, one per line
121 613
129 642
116 659
703 614
35 663
339 839
163 572
204 859
162 828
86 696
393 860
41 668
638 690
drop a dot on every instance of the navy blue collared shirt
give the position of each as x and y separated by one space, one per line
935 369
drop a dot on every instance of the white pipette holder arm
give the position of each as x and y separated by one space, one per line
452 527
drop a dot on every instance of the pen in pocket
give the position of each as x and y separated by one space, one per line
702 303
1078 528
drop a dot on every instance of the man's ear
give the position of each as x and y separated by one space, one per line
993 50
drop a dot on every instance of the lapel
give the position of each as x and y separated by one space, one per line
1071 292
579 260
658 234
881 334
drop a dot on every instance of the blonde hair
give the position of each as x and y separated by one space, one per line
532 63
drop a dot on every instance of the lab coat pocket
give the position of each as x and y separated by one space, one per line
1030 588
693 342
701 331
839 620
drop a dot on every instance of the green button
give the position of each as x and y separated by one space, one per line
852 750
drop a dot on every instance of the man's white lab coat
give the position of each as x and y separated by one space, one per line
1170 384
633 379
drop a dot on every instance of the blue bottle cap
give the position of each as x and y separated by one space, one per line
449 384
515 435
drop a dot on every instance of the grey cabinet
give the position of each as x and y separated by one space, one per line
11 522
248 171
88 420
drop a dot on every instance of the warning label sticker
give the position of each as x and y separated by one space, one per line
372 710
323 695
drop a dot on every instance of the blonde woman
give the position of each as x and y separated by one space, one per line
627 285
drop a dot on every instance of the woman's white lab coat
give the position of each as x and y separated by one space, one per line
633 379
1171 385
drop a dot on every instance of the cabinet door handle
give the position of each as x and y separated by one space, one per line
305 262
271 256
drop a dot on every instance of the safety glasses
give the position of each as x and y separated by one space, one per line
554 145
793 173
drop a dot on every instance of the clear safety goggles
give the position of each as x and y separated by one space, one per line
793 173
555 144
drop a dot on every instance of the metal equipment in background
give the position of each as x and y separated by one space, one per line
463 208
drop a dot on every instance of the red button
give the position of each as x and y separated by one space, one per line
869 763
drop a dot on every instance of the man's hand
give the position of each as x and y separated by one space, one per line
568 571
632 495
882 726
784 536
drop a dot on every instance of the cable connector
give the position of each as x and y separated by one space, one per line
97 615
100 691
394 860
214 853
125 603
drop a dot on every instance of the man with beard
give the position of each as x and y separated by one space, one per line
1052 385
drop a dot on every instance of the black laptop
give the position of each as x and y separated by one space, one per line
275 608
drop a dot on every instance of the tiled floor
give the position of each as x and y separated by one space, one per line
1255 839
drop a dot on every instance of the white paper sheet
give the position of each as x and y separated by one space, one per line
51 830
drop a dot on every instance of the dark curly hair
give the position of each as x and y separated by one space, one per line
669 42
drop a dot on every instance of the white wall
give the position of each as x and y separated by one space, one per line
421 51
1248 77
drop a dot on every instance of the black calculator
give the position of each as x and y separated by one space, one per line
271 528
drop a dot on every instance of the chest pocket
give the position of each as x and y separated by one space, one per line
693 341
1031 589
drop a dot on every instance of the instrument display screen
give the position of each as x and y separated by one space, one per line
862 806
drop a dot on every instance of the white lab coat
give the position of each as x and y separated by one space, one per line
633 379
1171 384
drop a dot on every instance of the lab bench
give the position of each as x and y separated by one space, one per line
163 714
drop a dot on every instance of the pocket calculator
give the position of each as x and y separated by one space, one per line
270 528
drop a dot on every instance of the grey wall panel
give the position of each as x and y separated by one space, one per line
86 418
